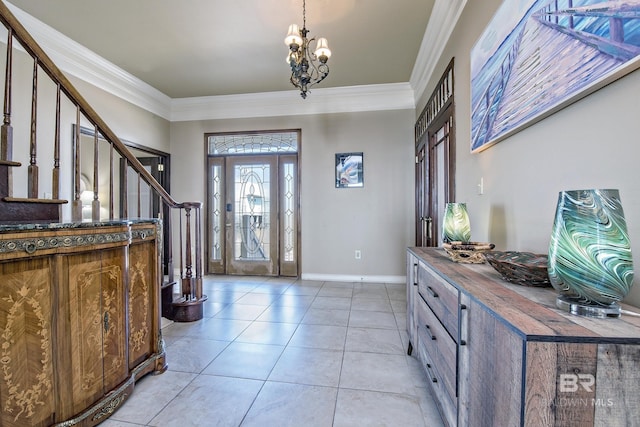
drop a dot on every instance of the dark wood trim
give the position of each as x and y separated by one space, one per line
439 111
208 163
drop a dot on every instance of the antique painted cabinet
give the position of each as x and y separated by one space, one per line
79 319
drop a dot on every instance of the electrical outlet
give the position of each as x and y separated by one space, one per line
358 254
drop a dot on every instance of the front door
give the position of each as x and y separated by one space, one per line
251 225
253 218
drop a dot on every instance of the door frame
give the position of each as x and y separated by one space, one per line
138 150
438 112
218 160
160 163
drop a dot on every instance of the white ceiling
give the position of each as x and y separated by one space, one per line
221 47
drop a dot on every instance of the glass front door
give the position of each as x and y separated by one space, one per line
253 203
251 215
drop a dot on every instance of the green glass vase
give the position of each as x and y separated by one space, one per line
456 226
589 253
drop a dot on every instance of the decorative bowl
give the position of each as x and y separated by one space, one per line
467 252
523 268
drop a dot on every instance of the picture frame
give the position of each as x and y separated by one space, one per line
349 170
536 57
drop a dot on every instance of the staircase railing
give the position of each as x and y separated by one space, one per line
189 306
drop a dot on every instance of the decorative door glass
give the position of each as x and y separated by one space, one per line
251 218
216 200
253 203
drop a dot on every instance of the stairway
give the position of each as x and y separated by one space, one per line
37 211
24 210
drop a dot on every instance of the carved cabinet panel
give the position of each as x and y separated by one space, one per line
97 334
143 275
26 354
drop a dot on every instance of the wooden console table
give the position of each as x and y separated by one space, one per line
499 354
79 319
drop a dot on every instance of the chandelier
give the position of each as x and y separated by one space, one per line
307 67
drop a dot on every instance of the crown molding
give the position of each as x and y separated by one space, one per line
443 19
82 63
78 61
396 96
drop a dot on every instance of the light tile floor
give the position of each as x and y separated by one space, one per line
284 352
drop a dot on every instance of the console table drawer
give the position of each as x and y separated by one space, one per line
439 346
442 297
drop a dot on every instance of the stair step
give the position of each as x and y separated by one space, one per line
166 282
37 201
16 210
10 163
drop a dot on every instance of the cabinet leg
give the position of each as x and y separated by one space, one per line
410 349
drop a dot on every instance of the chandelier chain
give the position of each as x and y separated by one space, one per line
304 14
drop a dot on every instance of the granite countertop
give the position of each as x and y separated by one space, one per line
5 228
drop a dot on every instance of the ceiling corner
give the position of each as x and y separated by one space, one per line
443 19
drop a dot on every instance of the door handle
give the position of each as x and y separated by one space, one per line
426 222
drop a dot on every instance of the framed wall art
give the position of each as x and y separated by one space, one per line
349 170
538 56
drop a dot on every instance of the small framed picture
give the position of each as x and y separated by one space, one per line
349 170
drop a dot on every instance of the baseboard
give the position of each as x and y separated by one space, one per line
353 278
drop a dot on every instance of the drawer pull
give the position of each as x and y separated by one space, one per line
30 247
415 274
432 292
433 337
433 378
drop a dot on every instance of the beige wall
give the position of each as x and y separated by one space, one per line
126 120
590 144
376 219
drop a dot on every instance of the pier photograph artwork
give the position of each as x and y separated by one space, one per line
538 56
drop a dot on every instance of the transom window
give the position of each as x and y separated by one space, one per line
253 143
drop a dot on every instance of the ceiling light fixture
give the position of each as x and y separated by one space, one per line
307 68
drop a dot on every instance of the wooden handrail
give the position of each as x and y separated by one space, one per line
192 297
32 47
